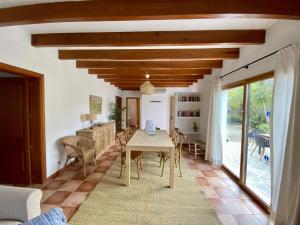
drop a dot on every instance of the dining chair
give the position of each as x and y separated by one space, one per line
79 148
135 155
197 147
262 142
178 148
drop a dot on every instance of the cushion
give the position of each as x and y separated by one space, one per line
54 216
9 222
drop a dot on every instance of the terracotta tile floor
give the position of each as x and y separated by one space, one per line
233 206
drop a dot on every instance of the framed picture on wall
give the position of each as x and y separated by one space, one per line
95 104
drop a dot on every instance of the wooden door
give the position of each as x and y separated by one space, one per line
172 110
14 126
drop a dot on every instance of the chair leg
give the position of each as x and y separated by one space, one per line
179 166
66 163
95 161
121 170
163 167
189 147
84 171
253 150
160 161
137 168
141 162
262 153
195 151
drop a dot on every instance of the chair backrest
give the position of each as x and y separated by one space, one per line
68 142
175 136
121 138
181 137
261 140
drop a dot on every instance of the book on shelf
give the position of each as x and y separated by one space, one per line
188 113
188 98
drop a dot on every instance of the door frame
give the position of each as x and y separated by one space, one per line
138 110
241 181
41 120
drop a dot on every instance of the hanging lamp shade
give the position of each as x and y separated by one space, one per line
147 88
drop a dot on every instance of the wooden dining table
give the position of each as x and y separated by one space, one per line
158 142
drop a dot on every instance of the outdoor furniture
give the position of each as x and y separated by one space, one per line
79 148
158 142
165 155
262 142
135 155
198 147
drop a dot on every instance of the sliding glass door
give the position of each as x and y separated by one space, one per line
258 172
246 134
233 107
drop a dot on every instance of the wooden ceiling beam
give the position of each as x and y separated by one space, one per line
152 80
150 54
152 72
162 38
125 10
165 77
199 64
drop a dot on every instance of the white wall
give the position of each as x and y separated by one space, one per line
67 89
277 36
169 93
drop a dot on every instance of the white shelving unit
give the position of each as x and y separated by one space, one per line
187 112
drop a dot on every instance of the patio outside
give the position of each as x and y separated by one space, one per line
258 174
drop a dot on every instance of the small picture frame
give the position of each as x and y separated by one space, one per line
95 104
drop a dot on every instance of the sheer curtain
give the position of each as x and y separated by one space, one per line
213 141
285 142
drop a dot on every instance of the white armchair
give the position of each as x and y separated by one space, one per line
19 204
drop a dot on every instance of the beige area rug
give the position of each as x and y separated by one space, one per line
147 201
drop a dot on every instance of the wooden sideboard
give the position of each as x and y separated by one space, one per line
104 136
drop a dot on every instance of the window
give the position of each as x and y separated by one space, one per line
246 133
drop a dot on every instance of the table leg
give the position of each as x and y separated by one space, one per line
127 176
172 160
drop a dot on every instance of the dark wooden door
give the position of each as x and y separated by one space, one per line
14 131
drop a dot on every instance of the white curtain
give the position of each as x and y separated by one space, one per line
286 138
214 141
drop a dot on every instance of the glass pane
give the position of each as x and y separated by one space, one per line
232 128
258 173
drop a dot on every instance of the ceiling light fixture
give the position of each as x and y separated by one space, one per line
147 88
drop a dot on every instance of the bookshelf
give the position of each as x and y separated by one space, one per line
187 112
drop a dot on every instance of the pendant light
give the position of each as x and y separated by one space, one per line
147 88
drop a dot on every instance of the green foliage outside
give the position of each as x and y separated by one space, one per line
260 104
115 113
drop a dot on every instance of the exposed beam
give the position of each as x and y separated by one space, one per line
124 10
164 77
152 80
163 38
199 64
152 72
150 54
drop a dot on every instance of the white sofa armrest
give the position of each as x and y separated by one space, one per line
18 203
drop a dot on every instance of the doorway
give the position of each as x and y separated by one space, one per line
133 111
22 136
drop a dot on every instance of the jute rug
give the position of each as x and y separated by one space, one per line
147 201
